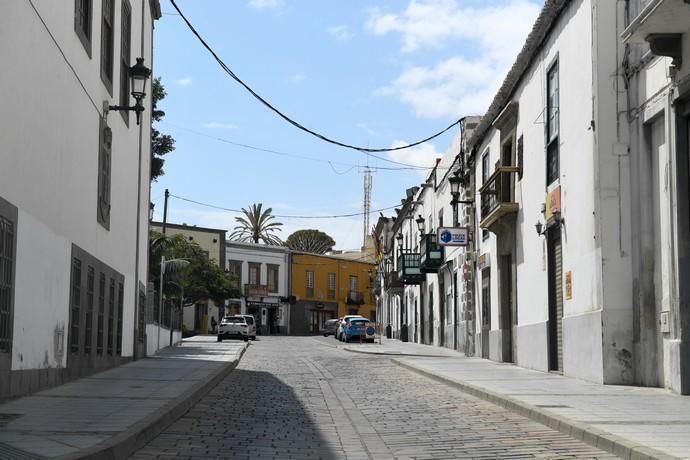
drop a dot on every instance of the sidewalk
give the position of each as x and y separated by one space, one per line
632 422
112 413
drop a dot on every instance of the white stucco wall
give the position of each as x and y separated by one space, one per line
50 131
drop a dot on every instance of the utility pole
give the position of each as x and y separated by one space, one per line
165 210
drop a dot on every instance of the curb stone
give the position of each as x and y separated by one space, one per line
141 433
603 440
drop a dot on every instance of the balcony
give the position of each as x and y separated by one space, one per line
392 280
256 290
354 298
431 254
497 199
409 271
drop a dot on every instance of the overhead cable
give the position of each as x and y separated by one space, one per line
284 216
296 124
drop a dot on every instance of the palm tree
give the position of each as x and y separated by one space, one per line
256 226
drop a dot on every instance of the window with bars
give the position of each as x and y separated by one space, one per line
272 276
8 242
104 179
111 315
90 299
310 283
107 43
83 11
552 125
101 313
354 282
75 306
125 45
235 268
120 312
331 285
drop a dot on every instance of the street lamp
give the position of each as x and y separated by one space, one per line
539 227
454 182
420 224
138 75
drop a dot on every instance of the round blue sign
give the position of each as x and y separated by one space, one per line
371 330
446 236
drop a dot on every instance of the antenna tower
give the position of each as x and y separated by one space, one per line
367 203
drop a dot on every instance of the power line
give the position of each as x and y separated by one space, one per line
294 155
335 216
296 124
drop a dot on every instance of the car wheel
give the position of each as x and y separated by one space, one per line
253 337
325 335
246 339
219 339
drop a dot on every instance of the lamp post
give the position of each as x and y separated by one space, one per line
420 225
138 75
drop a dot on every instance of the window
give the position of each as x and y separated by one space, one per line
272 278
107 43
75 302
254 273
90 299
485 177
331 285
552 125
101 313
125 42
354 281
235 268
104 158
120 311
83 10
440 218
519 157
8 242
310 284
111 315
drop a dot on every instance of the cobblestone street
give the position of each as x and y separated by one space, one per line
300 398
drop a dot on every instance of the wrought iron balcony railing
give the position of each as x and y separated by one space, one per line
354 298
256 290
498 198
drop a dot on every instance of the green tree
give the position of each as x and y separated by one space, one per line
256 225
310 240
160 143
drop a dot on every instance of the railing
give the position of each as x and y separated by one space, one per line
431 254
354 298
497 197
256 290
409 271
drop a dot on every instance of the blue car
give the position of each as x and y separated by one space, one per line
359 329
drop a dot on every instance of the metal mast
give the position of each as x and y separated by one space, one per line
367 204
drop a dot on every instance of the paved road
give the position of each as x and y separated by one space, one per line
300 398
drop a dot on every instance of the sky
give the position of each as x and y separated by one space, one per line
371 73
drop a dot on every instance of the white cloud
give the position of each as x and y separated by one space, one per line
217 125
490 36
184 81
297 77
341 32
423 155
263 4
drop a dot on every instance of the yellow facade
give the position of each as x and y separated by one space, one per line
350 276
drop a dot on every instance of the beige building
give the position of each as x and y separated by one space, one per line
212 240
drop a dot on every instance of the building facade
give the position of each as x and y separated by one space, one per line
199 316
329 286
263 272
74 190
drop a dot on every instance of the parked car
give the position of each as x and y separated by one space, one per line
360 329
341 324
233 327
251 329
330 326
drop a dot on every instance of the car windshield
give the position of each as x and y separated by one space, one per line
359 322
233 319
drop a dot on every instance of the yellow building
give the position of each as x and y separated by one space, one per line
329 286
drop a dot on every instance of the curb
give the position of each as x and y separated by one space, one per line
603 440
387 353
141 433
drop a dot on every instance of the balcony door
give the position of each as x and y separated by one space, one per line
505 191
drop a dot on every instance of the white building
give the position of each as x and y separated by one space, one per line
656 66
263 272
74 189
